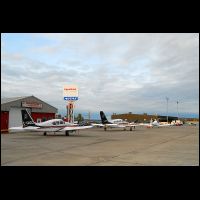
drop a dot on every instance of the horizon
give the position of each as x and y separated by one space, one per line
96 115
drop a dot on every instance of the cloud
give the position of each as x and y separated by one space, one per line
114 72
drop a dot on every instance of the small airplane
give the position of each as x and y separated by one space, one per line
192 123
53 125
177 123
155 123
115 123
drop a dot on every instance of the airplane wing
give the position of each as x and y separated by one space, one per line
115 125
160 125
16 129
132 125
165 125
73 128
109 125
98 125
21 128
145 124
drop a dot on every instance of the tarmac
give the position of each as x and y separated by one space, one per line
166 146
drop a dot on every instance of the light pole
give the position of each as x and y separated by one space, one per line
167 108
89 116
177 110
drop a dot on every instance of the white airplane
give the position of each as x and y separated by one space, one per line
53 125
115 123
155 123
177 123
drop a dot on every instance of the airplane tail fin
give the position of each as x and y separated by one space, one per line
27 119
103 118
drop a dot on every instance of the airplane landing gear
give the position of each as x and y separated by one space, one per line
45 133
132 127
105 128
67 133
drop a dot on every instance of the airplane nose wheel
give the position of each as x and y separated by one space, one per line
45 133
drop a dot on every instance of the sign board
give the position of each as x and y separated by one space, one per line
70 92
29 104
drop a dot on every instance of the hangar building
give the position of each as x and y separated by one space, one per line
142 117
11 111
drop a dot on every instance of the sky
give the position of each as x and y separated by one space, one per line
115 72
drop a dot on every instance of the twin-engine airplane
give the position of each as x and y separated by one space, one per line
53 125
115 123
119 123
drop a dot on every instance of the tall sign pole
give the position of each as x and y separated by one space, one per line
70 95
70 111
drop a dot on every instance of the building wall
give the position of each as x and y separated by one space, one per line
191 119
42 116
142 117
15 117
133 117
45 113
164 118
4 121
35 116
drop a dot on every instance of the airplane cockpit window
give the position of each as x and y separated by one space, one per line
57 122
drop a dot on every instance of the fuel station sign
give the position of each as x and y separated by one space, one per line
70 92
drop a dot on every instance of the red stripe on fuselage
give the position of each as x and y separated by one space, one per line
56 126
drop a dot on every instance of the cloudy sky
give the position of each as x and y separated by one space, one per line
117 73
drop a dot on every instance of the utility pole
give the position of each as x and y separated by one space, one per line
167 108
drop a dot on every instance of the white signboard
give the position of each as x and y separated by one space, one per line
70 92
29 104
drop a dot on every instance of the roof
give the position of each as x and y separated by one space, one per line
11 99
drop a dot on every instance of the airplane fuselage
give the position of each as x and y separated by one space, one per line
54 125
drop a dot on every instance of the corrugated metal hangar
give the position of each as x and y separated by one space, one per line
11 111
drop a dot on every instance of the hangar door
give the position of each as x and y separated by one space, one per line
15 117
